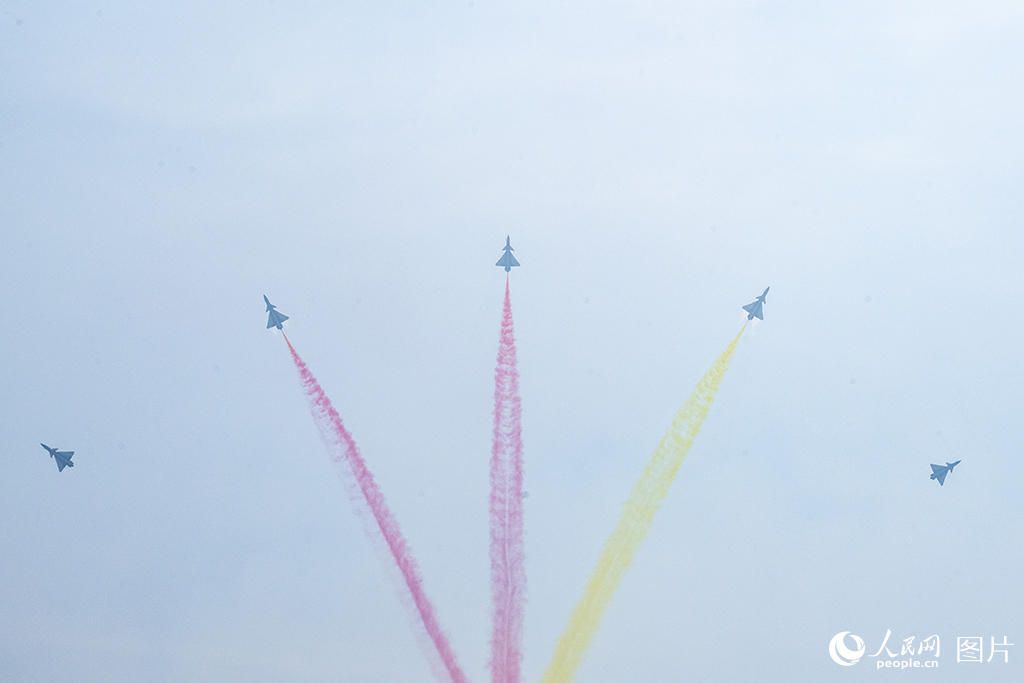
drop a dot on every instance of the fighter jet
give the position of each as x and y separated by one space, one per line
940 471
63 458
754 308
275 318
507 260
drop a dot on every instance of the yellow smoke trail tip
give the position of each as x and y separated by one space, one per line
637 514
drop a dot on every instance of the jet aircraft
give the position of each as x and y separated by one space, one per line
754 308
275 319
507 260
63 458
940 471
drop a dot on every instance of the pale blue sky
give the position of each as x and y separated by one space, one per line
657 164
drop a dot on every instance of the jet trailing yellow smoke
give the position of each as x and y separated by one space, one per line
637 514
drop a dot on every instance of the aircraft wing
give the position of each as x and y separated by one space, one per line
66 454
61 465
275 318
936 468
755 309
941 476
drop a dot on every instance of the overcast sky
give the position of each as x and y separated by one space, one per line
657 165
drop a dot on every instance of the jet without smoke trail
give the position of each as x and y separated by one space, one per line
276 318
940 471
507 260
754 308
63 458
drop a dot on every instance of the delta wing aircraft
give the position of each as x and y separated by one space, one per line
754 308
276 318
63 458
940 471
507 260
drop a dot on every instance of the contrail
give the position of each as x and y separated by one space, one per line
508 575
342 449
637 514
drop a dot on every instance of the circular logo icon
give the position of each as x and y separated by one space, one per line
843 655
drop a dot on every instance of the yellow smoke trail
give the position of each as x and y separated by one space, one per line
637 514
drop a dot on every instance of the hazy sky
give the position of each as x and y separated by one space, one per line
657 165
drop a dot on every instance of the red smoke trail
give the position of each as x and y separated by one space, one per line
342 448
508 574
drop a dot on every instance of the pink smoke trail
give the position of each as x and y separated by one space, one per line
508 573
342 449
